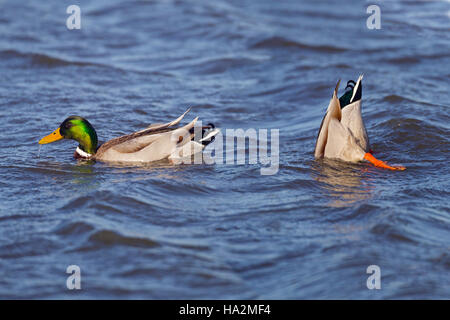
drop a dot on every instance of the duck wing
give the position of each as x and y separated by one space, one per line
333 111
131 147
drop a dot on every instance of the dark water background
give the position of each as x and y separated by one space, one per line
218 231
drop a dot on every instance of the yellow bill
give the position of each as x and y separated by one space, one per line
52 137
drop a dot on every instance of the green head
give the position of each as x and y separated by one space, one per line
78 129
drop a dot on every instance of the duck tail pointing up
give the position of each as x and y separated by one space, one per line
357 90
334 109
208 133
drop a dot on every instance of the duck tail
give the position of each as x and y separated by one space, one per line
334 107
357 90
208 133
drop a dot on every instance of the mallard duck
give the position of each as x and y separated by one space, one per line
156 142
342 134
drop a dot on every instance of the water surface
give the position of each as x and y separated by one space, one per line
224 231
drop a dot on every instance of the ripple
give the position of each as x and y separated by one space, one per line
204 106
393 98
106 201
48 61
404 60
43 59
73 228
109 237
28 248
281 43
164 231
15 217
220 65
403 131
392 233
415 59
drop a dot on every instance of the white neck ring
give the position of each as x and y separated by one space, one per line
83 153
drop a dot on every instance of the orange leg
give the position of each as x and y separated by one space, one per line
381 164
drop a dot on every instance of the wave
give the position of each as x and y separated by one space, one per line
281 42
416 58
48 61
109 237
15 217
393 98
411 138
73 228
393 233
43 59
106 202
220 65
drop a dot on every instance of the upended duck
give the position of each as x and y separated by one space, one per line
342 134
156 142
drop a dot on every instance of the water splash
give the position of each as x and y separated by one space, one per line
39 151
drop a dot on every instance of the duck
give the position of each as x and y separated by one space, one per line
342 134
156 142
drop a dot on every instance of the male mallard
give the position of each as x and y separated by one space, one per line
342 134
158 141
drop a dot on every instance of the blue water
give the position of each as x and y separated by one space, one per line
224 231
